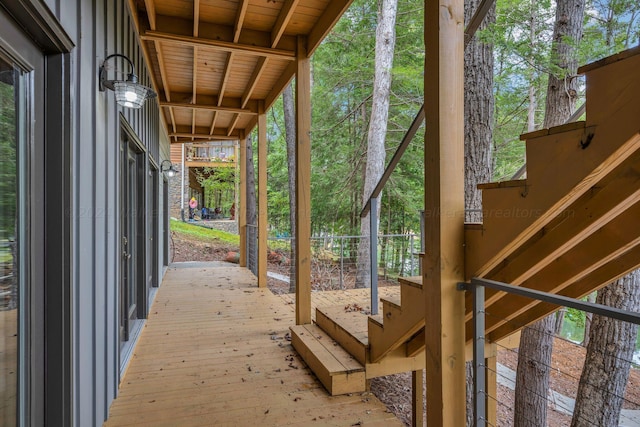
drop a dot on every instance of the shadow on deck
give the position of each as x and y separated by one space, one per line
214 352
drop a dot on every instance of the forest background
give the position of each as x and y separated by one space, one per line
342 86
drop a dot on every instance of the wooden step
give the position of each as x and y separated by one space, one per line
348 328
414 281
336 369
613 90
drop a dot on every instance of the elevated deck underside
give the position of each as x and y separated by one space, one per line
213 352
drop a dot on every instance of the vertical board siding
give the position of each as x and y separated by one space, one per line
100 28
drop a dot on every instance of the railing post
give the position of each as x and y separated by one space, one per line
341 262
411 253
479 372
373 251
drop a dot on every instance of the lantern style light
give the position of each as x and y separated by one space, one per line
129 93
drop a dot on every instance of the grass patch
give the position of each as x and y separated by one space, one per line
204 234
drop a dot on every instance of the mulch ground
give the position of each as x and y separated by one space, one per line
395 390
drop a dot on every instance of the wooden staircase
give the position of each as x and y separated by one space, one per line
571 227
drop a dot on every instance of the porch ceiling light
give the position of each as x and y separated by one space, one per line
129 93
171 171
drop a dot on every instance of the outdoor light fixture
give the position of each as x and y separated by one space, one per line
129 93
170 172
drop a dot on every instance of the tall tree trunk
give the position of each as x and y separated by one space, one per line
607 363
536 342
290 136
478 134
385 46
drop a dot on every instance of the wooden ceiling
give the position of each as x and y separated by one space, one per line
216 63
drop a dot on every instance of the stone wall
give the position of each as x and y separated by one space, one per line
174 195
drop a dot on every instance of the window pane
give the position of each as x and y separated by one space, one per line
8 259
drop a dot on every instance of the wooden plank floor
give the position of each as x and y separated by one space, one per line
213 353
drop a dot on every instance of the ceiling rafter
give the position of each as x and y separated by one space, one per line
326 23
282 54
283 19
225 77
232 126
151 12
213 122
253 81
218 136
151 16
208 107
242 11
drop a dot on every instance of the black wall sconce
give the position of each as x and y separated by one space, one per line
129 93
171 171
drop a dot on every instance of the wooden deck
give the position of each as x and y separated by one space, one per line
214 352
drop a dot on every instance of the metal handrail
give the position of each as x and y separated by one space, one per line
477 286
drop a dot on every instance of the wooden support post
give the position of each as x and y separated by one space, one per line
417 398
241 209
491 376
262 196
303 184
443 263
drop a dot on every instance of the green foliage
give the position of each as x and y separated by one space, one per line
576 316
219 186
204 234
342 77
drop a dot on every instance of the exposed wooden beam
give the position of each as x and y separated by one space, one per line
213 122
174 125
206 107
217 44
278 87
216 136
609 243
225 77
601 277
443 264
221 32
242 11
328 20
253 81
234 122
303 185
283 19
151 12
196 17
151 17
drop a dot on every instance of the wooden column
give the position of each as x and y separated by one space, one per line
241 209
417 398
262 196
303 184
443 263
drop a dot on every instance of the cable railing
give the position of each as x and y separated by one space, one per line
563 404
252 248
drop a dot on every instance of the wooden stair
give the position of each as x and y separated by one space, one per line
351 330
336 369
569 228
